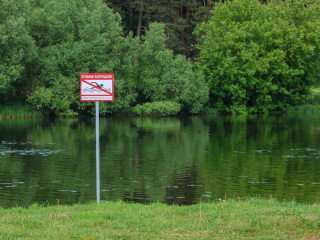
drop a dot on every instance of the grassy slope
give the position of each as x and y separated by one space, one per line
248 219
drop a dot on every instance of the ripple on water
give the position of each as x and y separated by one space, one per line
262 151
27 151
195 185
17 182
239 152
208 196
64 190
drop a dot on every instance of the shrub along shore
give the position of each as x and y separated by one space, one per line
231 219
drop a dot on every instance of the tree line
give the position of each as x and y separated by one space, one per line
180 18
167 56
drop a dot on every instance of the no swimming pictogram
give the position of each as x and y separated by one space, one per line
96 87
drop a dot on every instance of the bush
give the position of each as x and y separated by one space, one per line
258 58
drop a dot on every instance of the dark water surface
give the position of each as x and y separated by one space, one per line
171 160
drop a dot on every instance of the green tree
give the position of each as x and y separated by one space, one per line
17 49
161 76
258 57
74 37
179 17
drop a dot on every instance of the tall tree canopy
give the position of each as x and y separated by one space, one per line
54 41
254 57
75 36
179 17
259 57
17 49
161 76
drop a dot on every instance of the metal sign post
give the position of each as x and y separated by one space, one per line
97 87
97 153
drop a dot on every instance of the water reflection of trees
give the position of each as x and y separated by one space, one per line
139 158
174 160
259 155
152 155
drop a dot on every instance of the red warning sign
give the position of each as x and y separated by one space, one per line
96 87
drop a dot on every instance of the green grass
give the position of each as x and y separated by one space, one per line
231 219
311 106
19 111
304 108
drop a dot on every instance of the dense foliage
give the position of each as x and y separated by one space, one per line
252 56
258 57
179 16
54 41
17 49
74 37
160 76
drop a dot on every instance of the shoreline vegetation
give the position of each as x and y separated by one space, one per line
249 218
28 111
19 111
25 110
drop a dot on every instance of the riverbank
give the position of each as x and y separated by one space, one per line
155 109
19 111
231 219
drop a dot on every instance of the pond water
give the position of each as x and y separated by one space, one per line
175 160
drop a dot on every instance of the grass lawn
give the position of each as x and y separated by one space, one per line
231 219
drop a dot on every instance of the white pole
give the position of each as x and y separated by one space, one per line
97 153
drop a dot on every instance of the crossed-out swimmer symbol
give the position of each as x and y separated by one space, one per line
99 86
